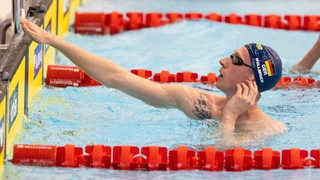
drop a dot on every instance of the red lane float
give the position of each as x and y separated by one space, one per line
253 20
273 21
135 21
156 157
142 73
115 22
164 77
174 17
193 16
238 159
211 159
99 156
181 158
186 77
34 154
266 159
69 156
297 82
315 154
159 158
63 76
303 81
293 22
90 23
284 81
214 17
311 23
124 157
154 19
233 18
293 158
210 78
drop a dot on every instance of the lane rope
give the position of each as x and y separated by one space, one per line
63 76
127 157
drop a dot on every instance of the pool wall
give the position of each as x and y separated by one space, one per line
23 67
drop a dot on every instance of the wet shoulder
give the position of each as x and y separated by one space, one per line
264 127
206 105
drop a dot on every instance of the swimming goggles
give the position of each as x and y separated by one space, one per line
236 60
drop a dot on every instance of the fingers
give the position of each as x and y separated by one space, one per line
253 90
23 20
239 90
28 26
33 30
24 24
252 86
245 89
249 90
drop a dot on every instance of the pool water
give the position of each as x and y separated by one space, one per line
98 115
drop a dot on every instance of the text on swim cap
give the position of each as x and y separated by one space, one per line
259 70
264 69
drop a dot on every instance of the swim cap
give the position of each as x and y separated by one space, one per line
266 65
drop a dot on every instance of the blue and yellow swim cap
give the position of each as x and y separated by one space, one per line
266 65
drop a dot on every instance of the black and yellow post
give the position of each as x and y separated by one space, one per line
15 104
23 67
50 25
65 11
3 100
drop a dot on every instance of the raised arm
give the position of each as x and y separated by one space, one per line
105 71
308 61
112 75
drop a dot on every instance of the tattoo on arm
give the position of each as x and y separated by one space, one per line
201 109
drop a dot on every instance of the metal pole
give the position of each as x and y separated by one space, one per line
23 8
16 15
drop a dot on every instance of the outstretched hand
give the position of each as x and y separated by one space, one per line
34 31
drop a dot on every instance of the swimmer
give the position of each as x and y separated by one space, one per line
248 71
309 60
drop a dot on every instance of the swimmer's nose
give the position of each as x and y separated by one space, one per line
222 62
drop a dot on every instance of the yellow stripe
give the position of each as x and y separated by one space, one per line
268 68
2 117
50 17
17 81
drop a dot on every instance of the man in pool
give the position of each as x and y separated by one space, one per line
250 70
